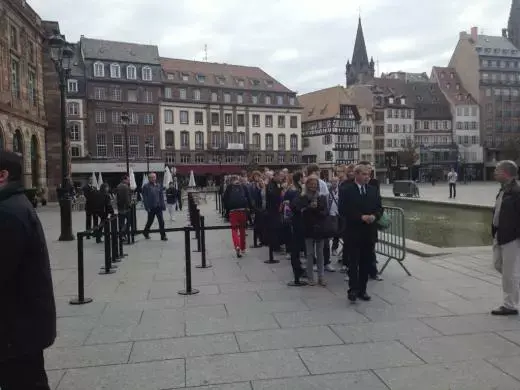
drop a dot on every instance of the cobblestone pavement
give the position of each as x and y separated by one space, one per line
477 193
248 330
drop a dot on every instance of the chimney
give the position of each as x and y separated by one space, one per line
474 33
504 32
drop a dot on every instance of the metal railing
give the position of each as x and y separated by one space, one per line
391 240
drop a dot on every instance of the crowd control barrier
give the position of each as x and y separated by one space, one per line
392 242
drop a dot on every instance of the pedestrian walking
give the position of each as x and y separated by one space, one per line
171 200
452 183
89 192
28 322
124 201
153 200
237 202
506 236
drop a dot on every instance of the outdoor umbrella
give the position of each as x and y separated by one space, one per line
192 180
133 184
94 181
145 180
167 178
100 181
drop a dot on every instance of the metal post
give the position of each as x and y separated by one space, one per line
203 263
65 198
109 267
271 256
134 222
216 200
127 157
121 234
80 300
187 253
113 238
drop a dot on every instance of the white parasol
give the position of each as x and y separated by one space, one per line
100 181
133 184
192 180
94 181
167 177
145 180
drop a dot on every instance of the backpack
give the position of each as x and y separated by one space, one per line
237 197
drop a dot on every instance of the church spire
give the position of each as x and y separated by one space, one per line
359 55
359 69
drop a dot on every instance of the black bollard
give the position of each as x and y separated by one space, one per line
122 234
80 300
114 233
134 221
203 263
216 200
128 225
109 267
187 253
271 257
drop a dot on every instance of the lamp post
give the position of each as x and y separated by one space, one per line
146 149
61 55
125 119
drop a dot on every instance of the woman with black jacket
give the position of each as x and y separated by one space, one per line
313 209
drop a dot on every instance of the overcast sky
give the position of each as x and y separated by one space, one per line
302 43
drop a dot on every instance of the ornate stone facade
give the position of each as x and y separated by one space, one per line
22 113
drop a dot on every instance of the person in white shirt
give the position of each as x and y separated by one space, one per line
313 169
452 180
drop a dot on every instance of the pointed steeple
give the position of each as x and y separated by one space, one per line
359 69
359 55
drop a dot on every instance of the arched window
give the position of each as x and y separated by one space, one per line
294 142
18 142
35 162
99 69
131 72
115 71
199 140
147 73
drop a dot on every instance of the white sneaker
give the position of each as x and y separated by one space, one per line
330 268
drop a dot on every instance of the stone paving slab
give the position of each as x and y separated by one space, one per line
246 330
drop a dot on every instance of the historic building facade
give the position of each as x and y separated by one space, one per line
221 118
466 123
330 129
22 111
489 70
366 136
119 78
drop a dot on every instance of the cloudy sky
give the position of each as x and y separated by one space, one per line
302 43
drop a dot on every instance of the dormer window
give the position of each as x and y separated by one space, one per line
99 69
497 51
131 72
185 76
505 51
279 100
403 101
457 86
267 99
419 98
240 82
448 86
442 75
115 71
255 82
291 101
513 52
147 73
221 80
391 100
452 75
201 78
269 83
170 76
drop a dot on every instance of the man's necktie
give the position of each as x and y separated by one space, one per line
363 190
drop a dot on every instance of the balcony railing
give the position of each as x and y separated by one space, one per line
340 146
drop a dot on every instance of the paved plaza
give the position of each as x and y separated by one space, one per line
476 193
247 330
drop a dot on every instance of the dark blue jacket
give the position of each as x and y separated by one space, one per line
149 200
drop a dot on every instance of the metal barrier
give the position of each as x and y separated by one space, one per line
392 242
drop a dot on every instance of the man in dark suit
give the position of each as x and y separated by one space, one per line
373 273
360 206
28 321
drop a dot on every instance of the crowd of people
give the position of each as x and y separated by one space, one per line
299 213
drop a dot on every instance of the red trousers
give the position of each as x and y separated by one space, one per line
238 220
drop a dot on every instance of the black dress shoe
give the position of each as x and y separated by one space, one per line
504 311
164 238
376 277
352 296
364 297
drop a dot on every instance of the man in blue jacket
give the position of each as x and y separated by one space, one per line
153 200
28 319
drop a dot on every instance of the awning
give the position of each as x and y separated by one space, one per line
214 169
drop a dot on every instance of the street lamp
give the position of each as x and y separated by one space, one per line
146 149
125 119
61 55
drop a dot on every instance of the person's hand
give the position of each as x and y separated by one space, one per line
365 218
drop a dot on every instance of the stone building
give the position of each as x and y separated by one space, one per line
513 25
489 70
22 112
330 129
220 118
119 77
